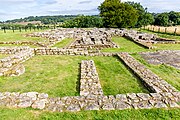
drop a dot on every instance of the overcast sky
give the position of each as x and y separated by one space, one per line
11 9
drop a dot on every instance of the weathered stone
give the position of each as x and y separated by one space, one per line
92 106
73 108
160 104
25 104
122 105
43 96
108 106
39 104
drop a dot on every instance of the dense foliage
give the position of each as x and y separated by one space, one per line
144 18
117 14
84 22
44 19
167 19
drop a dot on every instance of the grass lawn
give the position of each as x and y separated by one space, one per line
29 114
59 76
131 47
168 73
163 35
3 56
125 45
64 43
18 36
167 46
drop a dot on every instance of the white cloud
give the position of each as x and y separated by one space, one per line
10 9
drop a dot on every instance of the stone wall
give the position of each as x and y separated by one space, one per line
39 44
77 103
11 66
62 51
12 50
90 84
91 97
151 80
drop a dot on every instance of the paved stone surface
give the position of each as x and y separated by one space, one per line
169 57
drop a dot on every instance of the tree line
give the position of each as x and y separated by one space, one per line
113 13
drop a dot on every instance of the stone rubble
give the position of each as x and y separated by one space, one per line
96 38
11 66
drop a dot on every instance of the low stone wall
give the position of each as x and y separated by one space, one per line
151 80
77 103
13 50
11 66
91 97
138 41
39 44
61 51
90 84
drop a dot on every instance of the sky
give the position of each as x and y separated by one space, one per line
12 9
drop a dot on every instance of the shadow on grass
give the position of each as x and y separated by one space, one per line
78 80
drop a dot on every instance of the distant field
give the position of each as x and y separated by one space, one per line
18 36
164 29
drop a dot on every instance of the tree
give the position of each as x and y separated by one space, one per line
84 22
174 18
144 18
117 14
162 19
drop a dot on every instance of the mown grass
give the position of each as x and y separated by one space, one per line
3 56
152 114
18 36
163 35
167 46
125 45
131 47
168 73
64 43
59 76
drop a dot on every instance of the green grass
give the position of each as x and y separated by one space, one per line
59 76
152 114
18 36
3 56
64 43
168 73
125 46
167 46
131 47
163 35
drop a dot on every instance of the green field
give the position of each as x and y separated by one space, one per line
3 56
18 36
125 45
29 114
64 43
51 74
